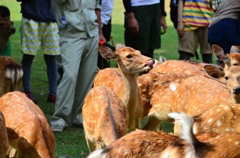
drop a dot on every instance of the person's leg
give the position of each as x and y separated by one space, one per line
30 44
51 64
71 59
187 46
51 49
184 55
205 48
87 72
148 18
59 67
27 61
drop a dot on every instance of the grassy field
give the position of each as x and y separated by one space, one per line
71 142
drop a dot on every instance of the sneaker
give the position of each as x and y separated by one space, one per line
51 98
57 127
31 96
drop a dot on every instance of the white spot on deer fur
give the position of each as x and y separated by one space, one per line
173 86
227 129
226 108
210 120
237 143
218 123
218 110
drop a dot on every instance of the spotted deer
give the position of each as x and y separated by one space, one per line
106 116
221 118
4 144
155 144
156 96
197 94
231 59
29 133
10 75
155 88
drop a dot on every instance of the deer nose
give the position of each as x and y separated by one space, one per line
150 63
236 90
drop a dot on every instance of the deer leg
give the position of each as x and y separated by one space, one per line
153 123
90 144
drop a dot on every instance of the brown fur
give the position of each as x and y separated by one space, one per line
156 96
129 62
218 119
10 75
28 130
4 144
105 117
157 144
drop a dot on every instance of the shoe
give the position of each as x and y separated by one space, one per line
77 126
31 96
57 127
51 98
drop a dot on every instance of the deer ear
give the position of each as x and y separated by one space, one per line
214 71
219 52
220 55
118 46
107 53
235 49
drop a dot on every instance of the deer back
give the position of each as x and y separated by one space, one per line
28 129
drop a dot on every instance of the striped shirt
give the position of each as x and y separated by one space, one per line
196 13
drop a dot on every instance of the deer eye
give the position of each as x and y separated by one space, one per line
235 64
226 77
129 56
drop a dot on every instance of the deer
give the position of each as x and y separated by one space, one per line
4 144
150 84
155 88
233 58
156 96
155 144
29 133
225 89
218 119
106 116
11 74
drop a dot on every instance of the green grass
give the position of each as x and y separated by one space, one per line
71 142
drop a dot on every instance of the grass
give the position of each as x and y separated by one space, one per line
71 142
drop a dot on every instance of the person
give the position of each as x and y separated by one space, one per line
194 17
39 29
106 19
6 30
224 29
80 32
174 12
143 20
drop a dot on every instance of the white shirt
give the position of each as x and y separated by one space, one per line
143 2
106 11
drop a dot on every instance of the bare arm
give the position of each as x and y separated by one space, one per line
98 13
180 27
131 21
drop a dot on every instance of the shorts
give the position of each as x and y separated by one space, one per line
192 39
36 35
148 18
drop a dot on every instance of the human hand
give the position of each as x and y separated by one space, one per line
163 25
180 29
132 23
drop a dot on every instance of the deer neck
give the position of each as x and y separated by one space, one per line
130 89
